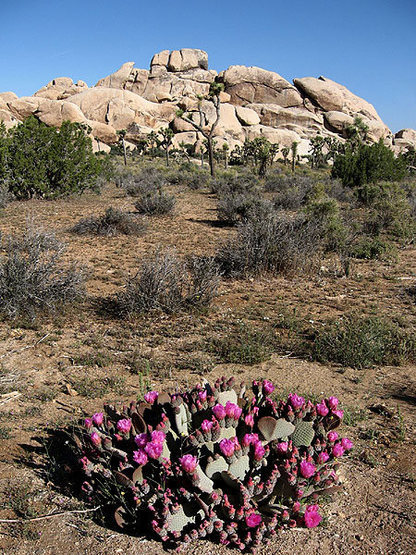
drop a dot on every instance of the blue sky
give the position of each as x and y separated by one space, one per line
368 45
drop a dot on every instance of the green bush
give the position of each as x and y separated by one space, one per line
37 161
363 342
364 164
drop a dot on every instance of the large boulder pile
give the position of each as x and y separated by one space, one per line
255 102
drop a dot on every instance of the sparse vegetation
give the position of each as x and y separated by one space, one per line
112 222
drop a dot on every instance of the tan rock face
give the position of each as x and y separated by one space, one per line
61 88
332 96
247 116
404 139
249 85
8 96
298 119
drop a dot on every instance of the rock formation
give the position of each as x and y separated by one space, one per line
255 102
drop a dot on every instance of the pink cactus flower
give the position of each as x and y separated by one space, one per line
333 403
282 447
124 425
338 450
248 439
153 450
158 437
296 507
268 387
151 397
259 451
140 457
347 443
206 425
219 412
202 395
332 436
307 469
339 413
323 457
88 423
249 420
188 463
311 517
227 447
322 409
141 440
95 438
296 401
85 462
98 418
253 520
232 410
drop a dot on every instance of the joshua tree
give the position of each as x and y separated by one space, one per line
167 136
207 132
225 149
152 142
285 154
294 151
121 135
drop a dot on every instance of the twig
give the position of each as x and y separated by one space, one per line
14 351
44 517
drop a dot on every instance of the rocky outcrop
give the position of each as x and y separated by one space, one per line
249 85
255 102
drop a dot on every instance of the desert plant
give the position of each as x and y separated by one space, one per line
212 463
363 342
33 278
239 207
112 222
148 180
155 203
46 162
273 243
167 283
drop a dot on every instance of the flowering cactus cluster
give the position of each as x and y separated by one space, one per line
211 462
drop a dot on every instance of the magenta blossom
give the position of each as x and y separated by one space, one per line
322 409
95 438
323 457
141 440
98 418
158 437
296 401
202 395
259 451
219 412
227 447
206 425
311 517
339 413
268 387
153 450
347 443
248 439
307 469
232 410
249 420
151 397
140 457
253 520
282 447
338 450
333 403
332 436
188 463
88 423
124 425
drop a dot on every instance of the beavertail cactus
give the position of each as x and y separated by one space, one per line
211 462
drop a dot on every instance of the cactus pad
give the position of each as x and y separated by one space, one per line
272 429
214 468
240 467
303 434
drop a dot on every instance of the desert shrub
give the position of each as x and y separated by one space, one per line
32 276
363 342
368 164
186 455
271 243
243 345
155 203
5 196
149 180
238 207
167 283
368 247
189 175
45 162
112 222
229 182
